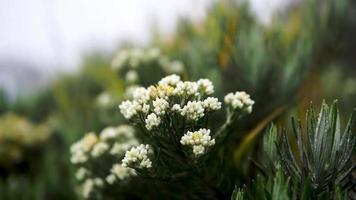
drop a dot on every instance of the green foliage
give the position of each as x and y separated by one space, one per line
271 188
323 161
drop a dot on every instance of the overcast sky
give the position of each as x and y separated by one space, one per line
54 34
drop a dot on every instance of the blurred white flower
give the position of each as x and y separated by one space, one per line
80 149
87 188
121 172
131 77
81 173
240 101
99 149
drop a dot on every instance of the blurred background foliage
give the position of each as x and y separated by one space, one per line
305 54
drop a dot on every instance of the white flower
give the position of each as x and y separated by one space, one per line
176 108
141 95
81 173
104 99
175 67
160 106
88 187
132 108
206 86
194 110
121 148
211 103
99 149
128 109
98 182
111 179
239 100
122 131
130 91
171 80
137 157
198 140
108 133
198 150
186 87
80 149
121 172
131 76
152 121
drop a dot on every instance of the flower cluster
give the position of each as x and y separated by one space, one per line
92 151
198 140
152 106
239 101
132 62
137 157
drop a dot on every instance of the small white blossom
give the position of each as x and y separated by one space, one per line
81 173
171 80
110 179
104 99
98 182
88 187
141 95
239 100
121 172
128 109
129 91
152 120
80 149
206 86
176 108
160 106
99 149
108 133
137 157
194 110
121 148
175 67
198 150
131 76
186 87
132 108
211 103
198 140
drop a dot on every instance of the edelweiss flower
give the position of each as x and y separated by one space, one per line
194 110
240 100
119 172
206 86
198 140
152 121
80 149
160 106
186 88
132 108
99 149
211 103
171 80
137 157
